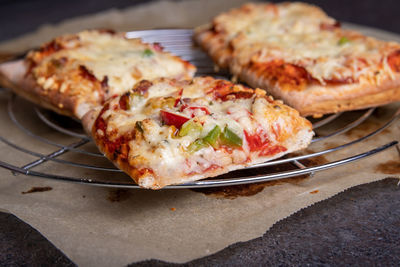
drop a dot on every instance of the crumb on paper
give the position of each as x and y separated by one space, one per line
38 189
314 192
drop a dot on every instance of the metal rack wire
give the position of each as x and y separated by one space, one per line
180 43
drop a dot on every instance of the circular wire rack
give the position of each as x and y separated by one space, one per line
179 42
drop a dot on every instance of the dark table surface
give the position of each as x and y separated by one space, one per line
360 226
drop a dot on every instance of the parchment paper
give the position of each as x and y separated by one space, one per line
97 226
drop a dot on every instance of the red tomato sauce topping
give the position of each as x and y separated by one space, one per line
260 142
394 60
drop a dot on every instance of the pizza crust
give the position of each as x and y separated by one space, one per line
214 44
13 75
317 100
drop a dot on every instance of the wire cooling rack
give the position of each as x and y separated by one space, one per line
180 43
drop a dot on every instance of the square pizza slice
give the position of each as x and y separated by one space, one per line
169 132
75 72
300 55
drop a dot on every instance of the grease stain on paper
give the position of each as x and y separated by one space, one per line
246 190
389 167
367 127
118 195
38 189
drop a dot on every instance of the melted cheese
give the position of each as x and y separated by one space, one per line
305 36
123 61
281 18
113 64
320 53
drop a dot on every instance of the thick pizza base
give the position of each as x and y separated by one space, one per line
214 44
13 75
317 100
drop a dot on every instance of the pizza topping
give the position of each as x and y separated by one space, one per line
197 145
142 87
228 137
212 137
191 126
343 40
104 83
124 101
215 138
271 150
50 48
194 108
148 53
329 26
158 47
394 60
86 74
287 75
174 119
139 126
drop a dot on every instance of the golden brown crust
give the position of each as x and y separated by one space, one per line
214 44
317 100
367 101
13 75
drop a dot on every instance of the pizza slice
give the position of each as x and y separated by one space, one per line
308 61
74 73
169 132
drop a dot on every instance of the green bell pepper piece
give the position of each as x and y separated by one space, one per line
188 127
197 145
148 53
212 136
229 138
343 40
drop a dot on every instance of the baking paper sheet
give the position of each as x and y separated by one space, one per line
97 226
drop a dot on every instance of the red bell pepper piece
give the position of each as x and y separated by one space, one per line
170 118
